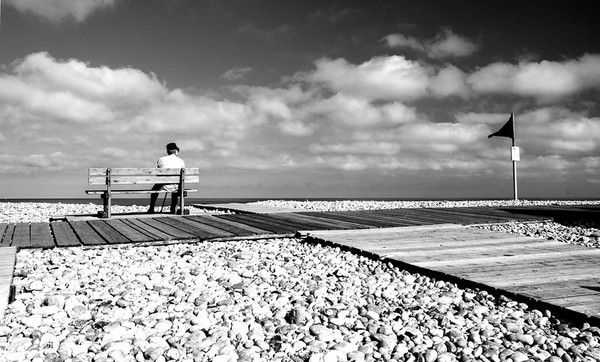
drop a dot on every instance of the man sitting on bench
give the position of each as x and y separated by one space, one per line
171 160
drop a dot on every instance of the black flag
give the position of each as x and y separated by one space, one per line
508 130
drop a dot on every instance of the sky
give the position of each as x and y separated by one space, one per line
303 99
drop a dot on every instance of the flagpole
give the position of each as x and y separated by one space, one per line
514 162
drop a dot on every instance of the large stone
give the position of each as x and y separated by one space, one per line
298 316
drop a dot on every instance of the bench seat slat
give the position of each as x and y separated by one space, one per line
142 179
100 192
195 171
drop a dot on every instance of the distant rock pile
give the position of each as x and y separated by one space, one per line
358 205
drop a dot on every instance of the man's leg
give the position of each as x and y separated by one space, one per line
154 197
174 200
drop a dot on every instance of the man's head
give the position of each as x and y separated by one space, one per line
172 148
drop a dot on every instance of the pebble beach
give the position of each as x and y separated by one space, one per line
269 300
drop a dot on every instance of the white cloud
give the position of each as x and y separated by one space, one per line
441 137
59 10
389 78
236 73
74 91
340 116
446 44
32 163
449 81
547 81
361 147
382 78
400 40
359 114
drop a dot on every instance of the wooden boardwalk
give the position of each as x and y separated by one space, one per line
162 228
561 277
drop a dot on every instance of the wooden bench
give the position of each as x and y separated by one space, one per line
113 178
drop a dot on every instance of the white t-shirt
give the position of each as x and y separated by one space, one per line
170 161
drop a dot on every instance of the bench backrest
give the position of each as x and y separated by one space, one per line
135 176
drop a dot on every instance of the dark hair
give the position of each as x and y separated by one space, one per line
172 147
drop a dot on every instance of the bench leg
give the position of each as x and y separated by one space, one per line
106 201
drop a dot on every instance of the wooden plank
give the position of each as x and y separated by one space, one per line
515 280
86 234
141 180
194 229
275 220
123 191
172 231
249 220
486 259
64 235
421 216
146 229
8 258
448 240
520 269
445 251
208 220
484 214
220 233
549 291
131 171
21 236
515 266
7 237
404 217
481 254
127 231
228 225
326 224
379 219
347 217
108 233
41 236
3 227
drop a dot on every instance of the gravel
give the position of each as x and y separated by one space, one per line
264 300
268 300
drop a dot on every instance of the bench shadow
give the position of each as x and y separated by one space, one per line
566 216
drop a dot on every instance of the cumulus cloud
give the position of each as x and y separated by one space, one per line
449 81
446 44
59 10
547 81
236 73
74 91
32 163
389 78
339 116
384 78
